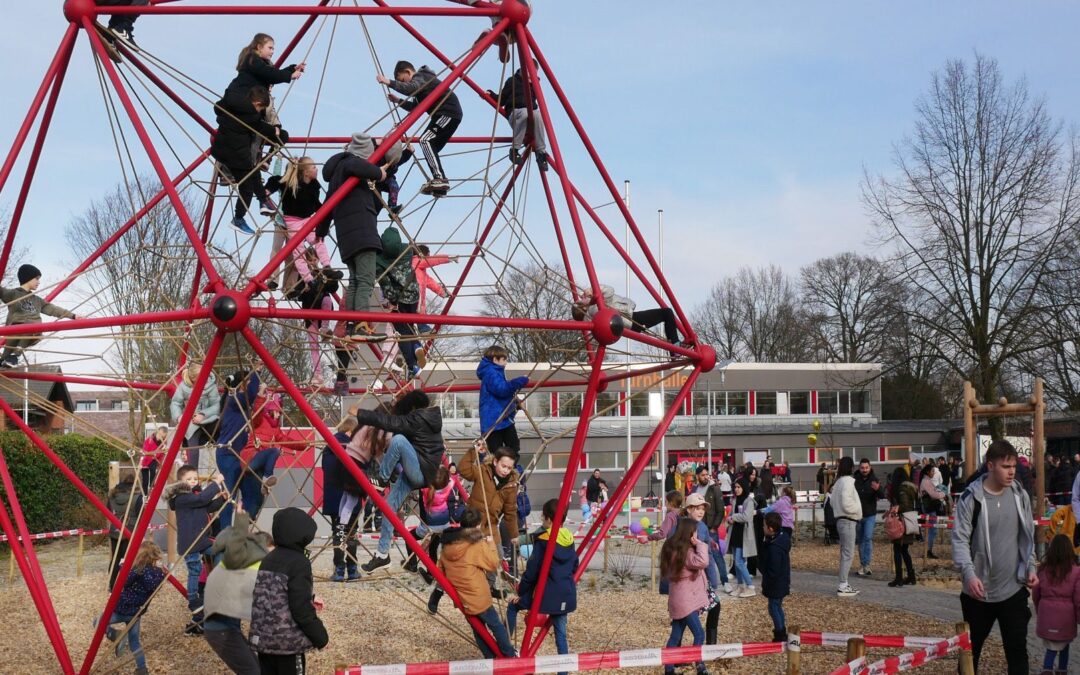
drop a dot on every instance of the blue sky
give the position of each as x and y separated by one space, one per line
750 124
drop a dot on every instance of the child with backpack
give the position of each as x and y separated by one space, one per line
682 560
143 580
1057 603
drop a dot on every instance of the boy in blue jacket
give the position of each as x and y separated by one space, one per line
193 507
560 592
497 404
775 565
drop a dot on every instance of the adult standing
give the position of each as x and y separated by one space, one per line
669 479
765 484
1057 481
848 511
724 481
933 503
594 490
904 500
994 549
869 489
821 479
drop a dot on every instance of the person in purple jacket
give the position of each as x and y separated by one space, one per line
785 508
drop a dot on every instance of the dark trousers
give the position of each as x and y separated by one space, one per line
344 533
408 347
123 22
648 318
233 649
200 437
504 438
249 184
117 551
439 130
282 664
1012 616
147 475
901 559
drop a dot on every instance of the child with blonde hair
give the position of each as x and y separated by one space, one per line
299 187
142 582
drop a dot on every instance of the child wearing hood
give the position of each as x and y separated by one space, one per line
467 558
284 622
498 403
560 592
229 590
775 567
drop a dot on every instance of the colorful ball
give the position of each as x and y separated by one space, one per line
635 528
645 522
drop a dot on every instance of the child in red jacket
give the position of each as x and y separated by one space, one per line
1057 602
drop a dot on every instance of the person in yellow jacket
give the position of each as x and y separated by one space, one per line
468 556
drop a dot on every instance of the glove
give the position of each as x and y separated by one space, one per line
283 135
520 382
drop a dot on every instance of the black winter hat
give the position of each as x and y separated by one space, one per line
28 272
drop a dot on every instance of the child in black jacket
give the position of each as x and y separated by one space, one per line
284 623
193 506
515 102
775 564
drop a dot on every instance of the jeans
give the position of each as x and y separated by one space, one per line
846 530
864 537
400 450
1048 659
931 535
228 463
558 625
711 573
742 575
721 564
490 618
361 281
132 637
433 523
261 466
1012 616
678 627
194 564
776 613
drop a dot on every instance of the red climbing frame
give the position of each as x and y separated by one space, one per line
231 309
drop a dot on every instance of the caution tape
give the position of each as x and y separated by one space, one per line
886 641
60 534
908 661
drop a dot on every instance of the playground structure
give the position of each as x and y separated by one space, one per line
229 301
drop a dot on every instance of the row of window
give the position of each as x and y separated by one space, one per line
649 404
92 405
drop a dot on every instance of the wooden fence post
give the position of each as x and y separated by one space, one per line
794 655
79 558
856 647
966 658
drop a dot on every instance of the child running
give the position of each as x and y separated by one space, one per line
24 306
776 572
143 580
682 559
1057 603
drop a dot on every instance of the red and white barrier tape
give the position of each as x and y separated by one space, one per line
897 664
635 658
71 533
887 641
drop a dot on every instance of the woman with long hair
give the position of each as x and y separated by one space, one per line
682 560
847 509
1057 599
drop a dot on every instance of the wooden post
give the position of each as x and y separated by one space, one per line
966 658
794 655
856 647
652 563
11 567
971 451
79 557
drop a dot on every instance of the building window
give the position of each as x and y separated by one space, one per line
799 402
607 399
766 402
86 406
468 405
860 401
828 402
737 403
897 453
570 404
795 455
121 405
700 402
639 404
539 404
669 401
558 460
654 463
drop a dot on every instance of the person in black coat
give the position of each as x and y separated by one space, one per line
515 106
1058 483
594 488
775 564
240 123
355 225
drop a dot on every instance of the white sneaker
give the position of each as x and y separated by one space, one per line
734 592
846 591
747 592
728 589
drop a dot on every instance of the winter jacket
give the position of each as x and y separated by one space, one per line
784 507
466 559
904 472
560 591
209 401
421 265
775 565
845 500
138 589
667 526
497 394
907 496
492 498
1057 606
334 474
688 589
230 587
1058 482
236 413
26 307
744 515
931 495
512 95
868 496
193 508
971 548
715 510
283 618
423 83
623 305
239 125
423 429
311 296
594 489
152 451
355 216
257 71
393 267
123 496
300 204
266 428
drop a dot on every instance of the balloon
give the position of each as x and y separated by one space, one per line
635 528
723 547
721 532
645 522
648 530
817 425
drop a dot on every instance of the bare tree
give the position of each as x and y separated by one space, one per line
539 293
1057 361
719 320
984 197
853 301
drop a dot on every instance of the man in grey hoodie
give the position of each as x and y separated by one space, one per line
994 549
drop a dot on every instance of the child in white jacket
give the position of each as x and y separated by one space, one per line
847 509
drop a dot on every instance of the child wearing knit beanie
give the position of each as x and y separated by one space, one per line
24 306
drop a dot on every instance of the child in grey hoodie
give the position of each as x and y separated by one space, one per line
24 306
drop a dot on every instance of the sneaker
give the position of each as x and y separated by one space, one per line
414 372
337 275
240 225
863 572
515 156
339 573
436 187
193 630
542 161
375 563
734 591
421 357
353 573
846 591
433 601
362 332
747 592
10 362
267 208
728 589
411 564
267 484
127 37
426 576
396 209
341 388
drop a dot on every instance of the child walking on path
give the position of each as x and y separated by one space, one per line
1057 603
682 560
24 306
775 566
497 399
300 199
145 576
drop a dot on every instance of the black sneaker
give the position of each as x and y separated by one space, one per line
433 601
193 630
412 564
515 156
542 161
375 563
426 576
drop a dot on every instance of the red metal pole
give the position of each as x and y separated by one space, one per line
436 319
72 477
50 617
151 152
576 451
55 77
436 95
151 501
344 140
374 495
105 245
105 321
522 32
95 381
293 10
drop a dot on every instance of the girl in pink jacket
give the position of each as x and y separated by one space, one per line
1057 602
682 562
